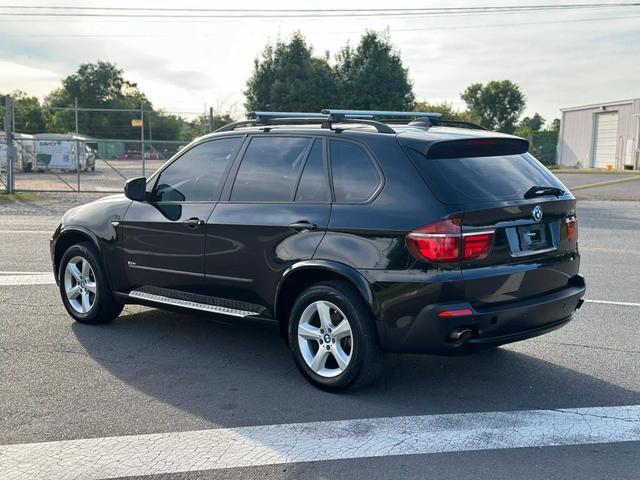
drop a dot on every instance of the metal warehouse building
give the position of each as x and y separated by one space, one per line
603 135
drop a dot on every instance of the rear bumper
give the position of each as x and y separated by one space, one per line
488 326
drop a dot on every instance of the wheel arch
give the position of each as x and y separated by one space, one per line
71 236
302 275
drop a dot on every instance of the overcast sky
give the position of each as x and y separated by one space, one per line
559 59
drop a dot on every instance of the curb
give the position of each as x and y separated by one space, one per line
604 184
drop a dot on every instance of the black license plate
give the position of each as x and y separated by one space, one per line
533 237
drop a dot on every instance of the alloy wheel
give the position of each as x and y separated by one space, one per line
80 284
325 339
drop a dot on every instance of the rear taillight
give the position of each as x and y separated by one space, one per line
572 228
477 245
444 241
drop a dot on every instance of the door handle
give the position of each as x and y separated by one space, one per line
303 225
193 222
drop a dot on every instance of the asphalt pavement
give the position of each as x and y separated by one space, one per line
152 372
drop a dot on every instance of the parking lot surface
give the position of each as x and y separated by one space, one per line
226 384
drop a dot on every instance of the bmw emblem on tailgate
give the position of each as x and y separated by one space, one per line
537 213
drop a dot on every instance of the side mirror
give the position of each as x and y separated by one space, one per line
136 189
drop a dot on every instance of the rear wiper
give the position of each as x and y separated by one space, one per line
541 191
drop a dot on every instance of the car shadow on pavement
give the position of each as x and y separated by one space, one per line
235 374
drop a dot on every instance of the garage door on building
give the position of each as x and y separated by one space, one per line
605 139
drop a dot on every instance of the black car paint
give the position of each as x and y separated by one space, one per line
248 251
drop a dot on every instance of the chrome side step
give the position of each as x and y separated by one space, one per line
151 297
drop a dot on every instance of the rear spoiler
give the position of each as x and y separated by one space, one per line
472 147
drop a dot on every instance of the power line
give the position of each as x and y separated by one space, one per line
393 30
326 10
152 12
503 25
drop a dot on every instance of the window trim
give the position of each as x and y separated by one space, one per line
374 161
158 173
307 152
231 178
323 146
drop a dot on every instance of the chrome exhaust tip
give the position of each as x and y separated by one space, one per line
461 335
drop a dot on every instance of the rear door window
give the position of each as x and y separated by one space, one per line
270 169
483 179
314 186
355 177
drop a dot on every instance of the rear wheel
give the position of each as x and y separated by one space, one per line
83 286
332 337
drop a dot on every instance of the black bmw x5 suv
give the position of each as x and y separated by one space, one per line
356 237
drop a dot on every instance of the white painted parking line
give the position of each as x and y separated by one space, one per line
10 272
8 279
43 232
609 250
607 302
109 457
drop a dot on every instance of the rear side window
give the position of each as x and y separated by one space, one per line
483 179
269 170
355 177
314 186
197 175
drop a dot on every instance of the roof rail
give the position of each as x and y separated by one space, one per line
331 115
326 120
377 113
275 115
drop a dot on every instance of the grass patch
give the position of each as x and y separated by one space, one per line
17 197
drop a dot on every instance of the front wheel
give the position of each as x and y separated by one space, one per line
332 337
83 286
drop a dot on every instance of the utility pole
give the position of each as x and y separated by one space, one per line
142 135
11 153
77 147
210 119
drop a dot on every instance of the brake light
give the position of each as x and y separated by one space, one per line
444 241
477 245
482 142
572 228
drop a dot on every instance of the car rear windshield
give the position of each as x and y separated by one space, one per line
483 179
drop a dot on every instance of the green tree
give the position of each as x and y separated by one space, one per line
498 104
534 123
447 111
288 77
543 138
372 76
200 125
30 117
102 85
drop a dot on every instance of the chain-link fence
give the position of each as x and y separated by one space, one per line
47 162
123 148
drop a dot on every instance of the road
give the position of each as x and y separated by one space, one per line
200 382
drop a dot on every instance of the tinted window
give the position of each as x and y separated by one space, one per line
355 178
314 186
269 170
197 175
477 179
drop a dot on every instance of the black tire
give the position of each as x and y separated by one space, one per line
367 358
104 308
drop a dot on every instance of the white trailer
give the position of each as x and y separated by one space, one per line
62 152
